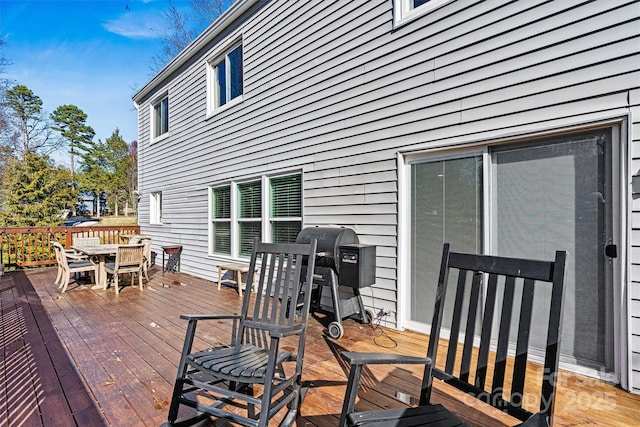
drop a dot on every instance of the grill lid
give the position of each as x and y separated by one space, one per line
329 240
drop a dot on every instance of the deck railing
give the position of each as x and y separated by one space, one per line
31 246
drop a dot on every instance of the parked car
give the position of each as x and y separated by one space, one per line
80 221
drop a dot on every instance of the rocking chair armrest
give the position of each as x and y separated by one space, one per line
539 419
357 360
209 316
363 358
275 330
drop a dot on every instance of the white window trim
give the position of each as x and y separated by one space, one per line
152 137
220 53
404 13
265 217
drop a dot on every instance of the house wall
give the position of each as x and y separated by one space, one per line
333 89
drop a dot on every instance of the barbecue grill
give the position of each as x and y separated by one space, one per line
342 267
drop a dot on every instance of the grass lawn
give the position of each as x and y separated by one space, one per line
118 220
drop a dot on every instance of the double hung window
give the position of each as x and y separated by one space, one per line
161 117
221 219
249 215
268 208
226 78
285 203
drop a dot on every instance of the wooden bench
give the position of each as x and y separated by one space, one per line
238 270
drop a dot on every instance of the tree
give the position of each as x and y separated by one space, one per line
4 84
131 177
28 128
118 159
94 176
70 121
3 61
34 192
6 157
107 168
184 27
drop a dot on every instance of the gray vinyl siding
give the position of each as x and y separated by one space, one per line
332 89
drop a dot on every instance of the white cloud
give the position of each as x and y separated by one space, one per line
135 26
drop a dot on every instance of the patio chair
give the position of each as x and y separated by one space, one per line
83 241
70 263
129 259
508 310
77 257
227 375
86 241
146 254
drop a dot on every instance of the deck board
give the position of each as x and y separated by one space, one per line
89 357
40 384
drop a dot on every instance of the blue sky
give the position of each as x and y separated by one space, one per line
93 54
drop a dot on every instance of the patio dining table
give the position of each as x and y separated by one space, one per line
101 252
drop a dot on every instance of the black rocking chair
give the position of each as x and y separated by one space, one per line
508 307
219 382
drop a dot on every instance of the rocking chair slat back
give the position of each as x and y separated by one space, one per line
506 322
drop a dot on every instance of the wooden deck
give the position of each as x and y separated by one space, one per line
91 358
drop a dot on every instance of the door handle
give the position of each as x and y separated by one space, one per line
611 251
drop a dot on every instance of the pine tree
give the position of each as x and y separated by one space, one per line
35 192
28 128
70 121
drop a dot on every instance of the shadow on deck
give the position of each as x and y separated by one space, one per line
91 358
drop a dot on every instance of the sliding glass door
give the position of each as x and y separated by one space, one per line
538 197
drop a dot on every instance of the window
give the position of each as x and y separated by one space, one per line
249 215
221 228
226 78
286 208
155 208
407 10
161 117
268 208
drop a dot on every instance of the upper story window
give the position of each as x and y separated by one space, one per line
226 78
407 10
161 117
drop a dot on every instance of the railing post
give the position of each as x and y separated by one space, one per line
68 238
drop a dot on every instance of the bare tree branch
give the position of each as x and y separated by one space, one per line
184 26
